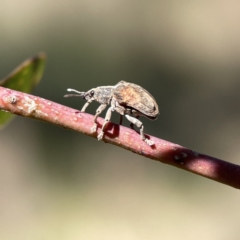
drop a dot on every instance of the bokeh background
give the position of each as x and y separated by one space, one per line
58 184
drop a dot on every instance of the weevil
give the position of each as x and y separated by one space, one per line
128 99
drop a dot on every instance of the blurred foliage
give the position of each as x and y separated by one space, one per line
24 78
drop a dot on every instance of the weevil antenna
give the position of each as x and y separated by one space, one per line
78 94
72 95
73 90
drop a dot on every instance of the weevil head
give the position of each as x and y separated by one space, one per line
89 94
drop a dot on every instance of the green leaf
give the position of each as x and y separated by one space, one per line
24 78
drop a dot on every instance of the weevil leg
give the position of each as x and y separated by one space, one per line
139 124
106 121
86 105
98 112
132 125
118 109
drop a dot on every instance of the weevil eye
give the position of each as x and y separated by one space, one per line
91 93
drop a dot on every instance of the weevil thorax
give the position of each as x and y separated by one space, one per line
102 94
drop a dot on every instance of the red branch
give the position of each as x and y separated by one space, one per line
166 152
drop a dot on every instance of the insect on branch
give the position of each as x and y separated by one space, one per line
127 99
163 151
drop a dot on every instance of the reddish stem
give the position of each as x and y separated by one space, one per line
166 152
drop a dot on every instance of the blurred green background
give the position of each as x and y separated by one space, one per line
58 184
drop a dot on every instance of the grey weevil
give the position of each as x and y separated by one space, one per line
126 99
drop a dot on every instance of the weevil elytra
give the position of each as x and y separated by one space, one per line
128 99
